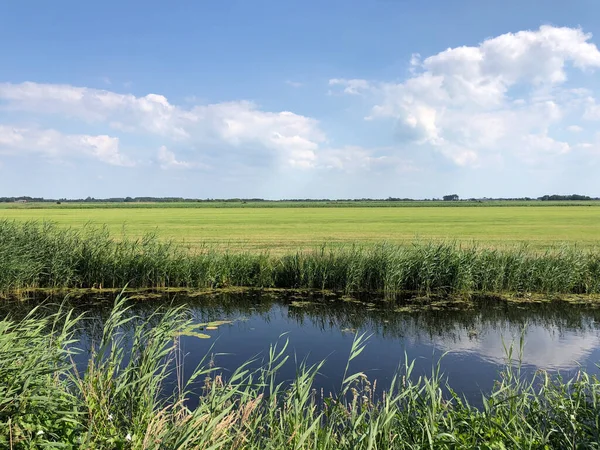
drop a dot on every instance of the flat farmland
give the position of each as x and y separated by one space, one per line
288 228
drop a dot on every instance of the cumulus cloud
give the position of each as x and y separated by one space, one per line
474 103
151 113
295 139
292 139
167 160
471 106
53 144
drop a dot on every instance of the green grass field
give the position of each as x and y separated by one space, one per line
287 228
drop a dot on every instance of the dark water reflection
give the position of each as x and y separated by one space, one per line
558 336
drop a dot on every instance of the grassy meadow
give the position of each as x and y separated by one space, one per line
285 227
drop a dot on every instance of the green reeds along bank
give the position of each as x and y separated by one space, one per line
41 255
123 399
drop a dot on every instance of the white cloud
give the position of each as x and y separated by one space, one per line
292 139
536 148
592 109
239 129
415 62
544 348
104 148
295 139
167 160
586 145
151 113
502 97
352 87
590 149
474 106
53 144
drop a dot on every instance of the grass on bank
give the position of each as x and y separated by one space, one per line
42 255
124 399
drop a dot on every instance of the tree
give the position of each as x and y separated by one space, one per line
450 198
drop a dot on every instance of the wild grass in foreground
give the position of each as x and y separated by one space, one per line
41 255
123 398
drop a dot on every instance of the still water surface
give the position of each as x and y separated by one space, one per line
470 339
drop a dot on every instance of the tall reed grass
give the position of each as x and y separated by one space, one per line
123 398
42 255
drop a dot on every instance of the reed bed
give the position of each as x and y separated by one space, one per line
125 397
42 255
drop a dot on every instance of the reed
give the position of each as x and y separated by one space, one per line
42 255
124 397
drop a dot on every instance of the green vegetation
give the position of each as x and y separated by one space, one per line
34 255
283 229
236 203
41 201
125 398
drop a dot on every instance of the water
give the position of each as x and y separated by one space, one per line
469 340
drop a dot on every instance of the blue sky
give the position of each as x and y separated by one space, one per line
299 98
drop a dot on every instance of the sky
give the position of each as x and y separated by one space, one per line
299 99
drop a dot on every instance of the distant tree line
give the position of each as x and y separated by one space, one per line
555 197
450 197
124 200
566 197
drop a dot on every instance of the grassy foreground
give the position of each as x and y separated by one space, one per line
123 399
283 229
35 255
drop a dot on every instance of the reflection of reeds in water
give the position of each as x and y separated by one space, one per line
326 312
123 400
36 255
